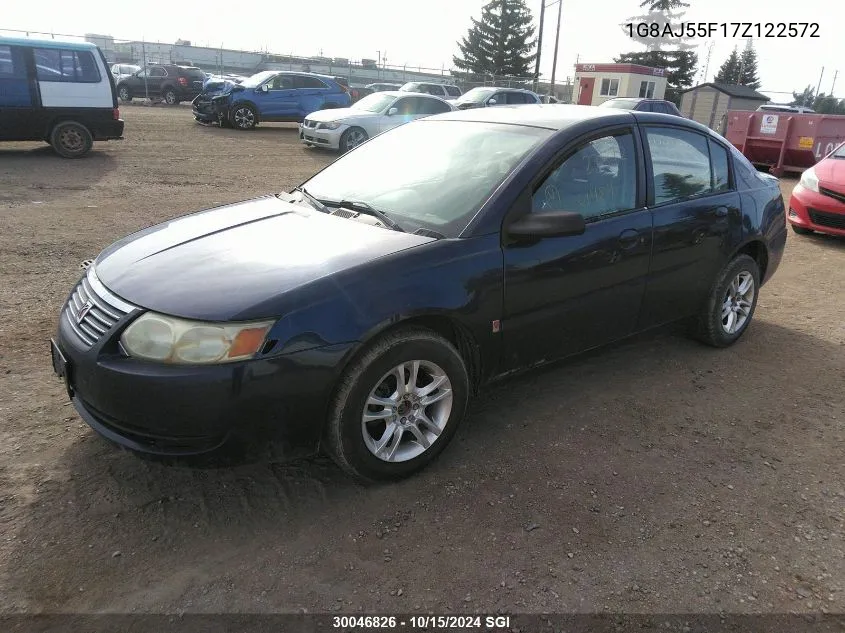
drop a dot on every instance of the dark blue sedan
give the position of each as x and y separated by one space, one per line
360 312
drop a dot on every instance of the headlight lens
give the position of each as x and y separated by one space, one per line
330 125
166 339
809 180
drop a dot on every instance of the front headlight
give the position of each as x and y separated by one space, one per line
166 339
809 180
330 125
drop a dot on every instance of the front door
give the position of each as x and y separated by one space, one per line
697 220
567 294
278 102
18 95
408 109
585 90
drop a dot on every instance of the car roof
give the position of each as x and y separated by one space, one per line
25 41
561 116
407 93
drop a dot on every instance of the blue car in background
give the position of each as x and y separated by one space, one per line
269 96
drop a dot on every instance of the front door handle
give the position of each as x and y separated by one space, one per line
721 212
629 238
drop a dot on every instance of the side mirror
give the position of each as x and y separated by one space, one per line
548 224
491 102
264 88
392 111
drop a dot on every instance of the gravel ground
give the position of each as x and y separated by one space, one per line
654 476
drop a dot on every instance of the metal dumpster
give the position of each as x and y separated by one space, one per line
784 141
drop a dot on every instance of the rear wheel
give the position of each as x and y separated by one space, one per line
243 117
397 406
124 93
800 230
170 97
729 308
71 139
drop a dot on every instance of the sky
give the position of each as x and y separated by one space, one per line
404 32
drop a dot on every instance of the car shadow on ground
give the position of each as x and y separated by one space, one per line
566 422
825 240
42 154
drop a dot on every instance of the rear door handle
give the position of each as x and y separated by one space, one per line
721 212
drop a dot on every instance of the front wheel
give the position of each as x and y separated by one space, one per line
730 306
397 406
243 117
71 139
352 138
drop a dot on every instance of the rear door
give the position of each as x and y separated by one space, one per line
69 78
697 219
310 94
18 94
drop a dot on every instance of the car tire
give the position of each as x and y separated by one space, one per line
170 97
243 117
124 93
352 138
729 308
355 427
71 139
800 230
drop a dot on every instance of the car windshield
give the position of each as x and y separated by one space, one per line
375 102
413 88
258 79
622 104
476 95
429 174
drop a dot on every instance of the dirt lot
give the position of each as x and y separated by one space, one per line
656 476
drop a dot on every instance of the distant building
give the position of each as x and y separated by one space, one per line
596 83
709 103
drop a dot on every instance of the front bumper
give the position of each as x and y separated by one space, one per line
816 212
329 139
189 410
203 110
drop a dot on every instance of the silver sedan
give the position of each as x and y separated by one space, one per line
346 128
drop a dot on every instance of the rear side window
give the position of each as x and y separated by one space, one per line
300 81
453 91
680 163
433 106
54 64
194 74
721 172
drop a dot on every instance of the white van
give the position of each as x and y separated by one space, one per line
59 92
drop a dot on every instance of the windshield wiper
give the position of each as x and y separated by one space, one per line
363 207
316 203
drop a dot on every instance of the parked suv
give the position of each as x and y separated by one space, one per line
444 91
169 82
642 105
483 97
270 96
122 71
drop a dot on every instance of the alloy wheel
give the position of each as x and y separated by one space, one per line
738 302
354 138
407 411
244 118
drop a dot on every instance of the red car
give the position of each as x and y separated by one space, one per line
818 200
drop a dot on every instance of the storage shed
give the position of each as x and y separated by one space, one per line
596 83
709 103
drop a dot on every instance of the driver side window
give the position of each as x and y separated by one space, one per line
599 178
280 82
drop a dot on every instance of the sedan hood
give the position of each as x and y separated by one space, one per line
831 171
338 114
231 262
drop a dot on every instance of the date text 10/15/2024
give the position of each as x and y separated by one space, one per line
725 29
369 622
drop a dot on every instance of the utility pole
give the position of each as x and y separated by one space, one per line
819 87
539 46
378 66
835 75
557 40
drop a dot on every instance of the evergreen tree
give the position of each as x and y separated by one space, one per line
748 67
729 71
501 43
671 53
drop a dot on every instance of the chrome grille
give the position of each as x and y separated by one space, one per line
91 311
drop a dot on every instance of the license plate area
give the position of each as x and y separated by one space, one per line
61 366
